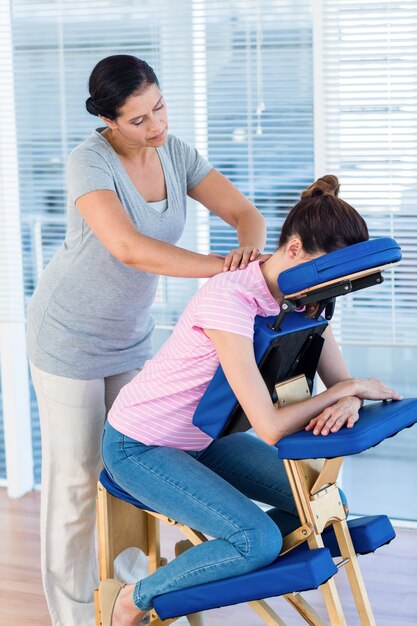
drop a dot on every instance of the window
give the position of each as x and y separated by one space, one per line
260 106
240 90
238 79
370 141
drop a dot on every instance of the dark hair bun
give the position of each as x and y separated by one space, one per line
91 107
113 80
327 185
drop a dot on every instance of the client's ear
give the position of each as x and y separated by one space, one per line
295 248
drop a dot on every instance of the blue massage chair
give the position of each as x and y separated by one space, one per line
287 350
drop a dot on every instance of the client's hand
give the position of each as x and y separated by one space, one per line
374 389
345 411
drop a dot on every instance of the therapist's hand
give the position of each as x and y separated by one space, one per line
242 256
343 412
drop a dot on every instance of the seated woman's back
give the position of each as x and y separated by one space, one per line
158 405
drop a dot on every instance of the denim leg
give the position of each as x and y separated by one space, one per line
253 467
176 484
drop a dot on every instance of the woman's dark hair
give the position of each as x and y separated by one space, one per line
323 221
113 80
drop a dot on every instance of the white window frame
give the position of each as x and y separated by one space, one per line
13 360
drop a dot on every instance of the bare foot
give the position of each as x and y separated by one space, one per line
125 612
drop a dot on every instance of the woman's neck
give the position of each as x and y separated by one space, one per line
271 270
127 151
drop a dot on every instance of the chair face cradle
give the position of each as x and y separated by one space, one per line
286 347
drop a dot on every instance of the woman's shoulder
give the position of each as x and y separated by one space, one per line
242 291
231 285
90 151
177 148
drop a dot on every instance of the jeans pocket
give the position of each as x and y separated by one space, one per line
102 439
130 447
106 452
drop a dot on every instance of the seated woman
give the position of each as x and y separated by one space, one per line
154 452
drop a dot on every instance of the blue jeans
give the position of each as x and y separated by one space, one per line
210 491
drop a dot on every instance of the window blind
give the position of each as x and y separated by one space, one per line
370 142
369 139
237 77
260 105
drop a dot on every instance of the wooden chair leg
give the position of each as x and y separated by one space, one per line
329 591
131 525
354 574
305 610
266 613
154 544
97 608
156 621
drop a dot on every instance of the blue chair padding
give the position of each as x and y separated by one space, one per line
377 421
292 572
218 401
113 488
355 258
367 533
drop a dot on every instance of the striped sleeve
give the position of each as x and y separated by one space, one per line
229 311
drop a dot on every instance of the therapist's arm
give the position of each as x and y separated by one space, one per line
111 224
218 194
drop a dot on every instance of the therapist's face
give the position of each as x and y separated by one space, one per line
142 120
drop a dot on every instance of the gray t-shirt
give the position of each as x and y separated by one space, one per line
89 316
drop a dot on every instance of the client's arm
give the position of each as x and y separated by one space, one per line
332 369
237 358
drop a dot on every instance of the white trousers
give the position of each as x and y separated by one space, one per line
72 415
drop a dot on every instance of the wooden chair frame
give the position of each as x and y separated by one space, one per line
314 486
318 502
122 525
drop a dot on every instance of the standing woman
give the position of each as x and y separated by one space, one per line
89 321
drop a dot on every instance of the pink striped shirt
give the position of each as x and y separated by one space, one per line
158 405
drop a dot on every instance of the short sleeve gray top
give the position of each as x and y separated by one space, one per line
89 316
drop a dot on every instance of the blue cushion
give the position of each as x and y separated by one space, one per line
378 421
339 263
367 533
113 488
218 401
292 572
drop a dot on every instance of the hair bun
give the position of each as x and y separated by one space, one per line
327 185
91 106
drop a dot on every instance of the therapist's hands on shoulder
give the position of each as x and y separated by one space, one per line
242 256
